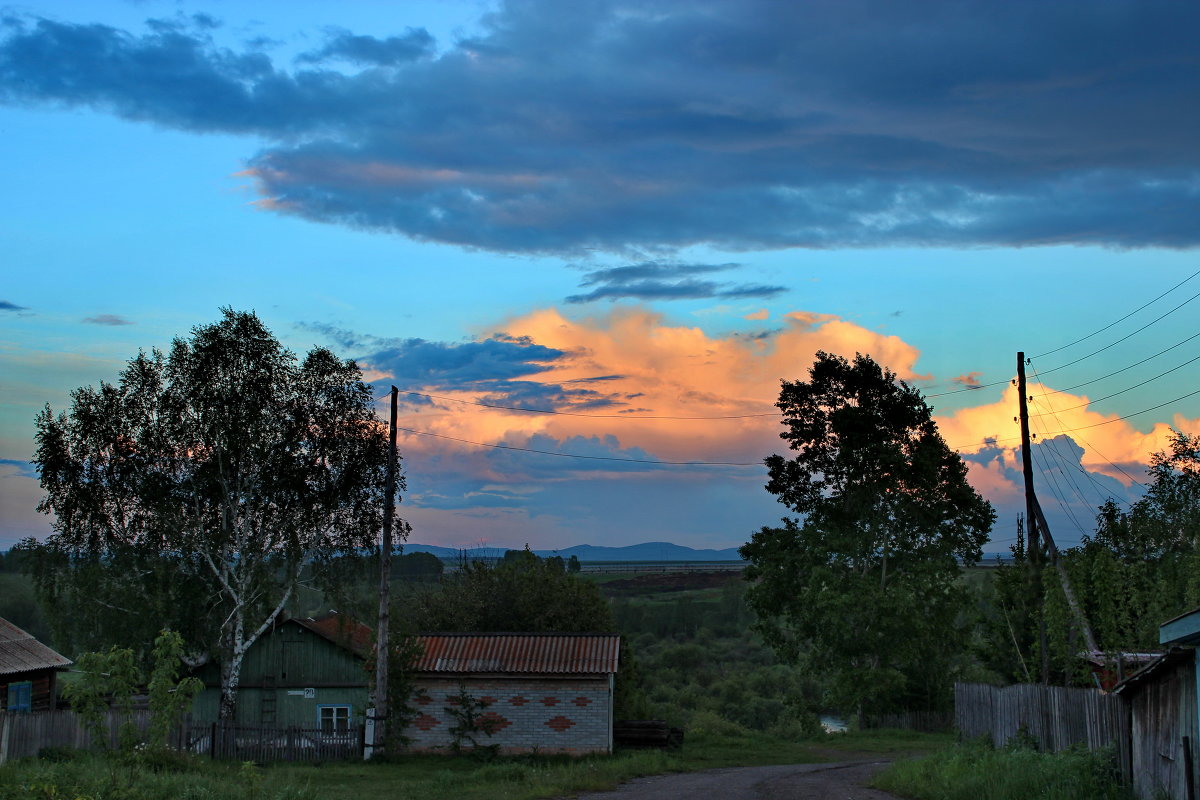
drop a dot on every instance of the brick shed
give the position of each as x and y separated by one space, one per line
544 692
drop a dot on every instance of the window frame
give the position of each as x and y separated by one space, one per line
343 718
13 692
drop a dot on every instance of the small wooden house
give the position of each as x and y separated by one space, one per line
1164 714
28 671
302 673
539 692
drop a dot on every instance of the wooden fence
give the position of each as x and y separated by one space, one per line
25 735
1052 717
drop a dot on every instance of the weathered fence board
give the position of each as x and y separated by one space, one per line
1053 717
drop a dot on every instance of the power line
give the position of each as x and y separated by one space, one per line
589 458
1058 496
1122 319
1123 338
1122 369
1129 416
1123 391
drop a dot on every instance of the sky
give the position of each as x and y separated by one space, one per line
641 216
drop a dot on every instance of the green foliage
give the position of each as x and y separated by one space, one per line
467 711
109 679
417 567
221 470
170 697
974 772
697 660
523 593
863 588
1140 568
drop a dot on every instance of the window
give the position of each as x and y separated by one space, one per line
333 719
20 696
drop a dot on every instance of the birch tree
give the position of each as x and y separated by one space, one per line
241 465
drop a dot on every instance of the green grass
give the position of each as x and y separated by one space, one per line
426 777
977 772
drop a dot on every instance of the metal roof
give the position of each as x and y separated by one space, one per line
20 652
342 631
543 653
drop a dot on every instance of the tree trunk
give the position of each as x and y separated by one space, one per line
231 671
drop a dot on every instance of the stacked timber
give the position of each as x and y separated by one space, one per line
647 733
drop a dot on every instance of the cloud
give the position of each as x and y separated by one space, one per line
739 125
107 319
968 381
654 281
7 306
761 314
416 43
24 469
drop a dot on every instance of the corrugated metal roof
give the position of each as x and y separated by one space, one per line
20 652
342 631
545 653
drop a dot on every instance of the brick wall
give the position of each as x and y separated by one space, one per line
531 713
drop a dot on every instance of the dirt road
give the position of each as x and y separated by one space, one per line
832 781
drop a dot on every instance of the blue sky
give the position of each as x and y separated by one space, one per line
652 209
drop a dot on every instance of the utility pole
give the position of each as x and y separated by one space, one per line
385 588
1040 538
1034 547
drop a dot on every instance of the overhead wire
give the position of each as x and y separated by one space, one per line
1123 338
1122 319
1126 389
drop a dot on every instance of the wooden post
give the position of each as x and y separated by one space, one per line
1034 546
385 585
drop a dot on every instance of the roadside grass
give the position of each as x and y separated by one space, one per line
978 772
96 777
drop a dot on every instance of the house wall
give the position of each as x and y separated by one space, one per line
44 683
1163 712
533 713
275 674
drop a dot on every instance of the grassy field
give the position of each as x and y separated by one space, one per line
427 777
975 772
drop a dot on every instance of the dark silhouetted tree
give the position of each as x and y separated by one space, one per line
864 582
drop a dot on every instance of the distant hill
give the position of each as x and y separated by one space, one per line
648 551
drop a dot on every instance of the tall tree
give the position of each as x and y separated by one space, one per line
232 461
863 583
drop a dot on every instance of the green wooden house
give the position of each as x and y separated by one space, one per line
303 673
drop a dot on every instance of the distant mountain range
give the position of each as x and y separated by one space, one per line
648 551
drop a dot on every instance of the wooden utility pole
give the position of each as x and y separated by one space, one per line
385 586
1034 546
1040 538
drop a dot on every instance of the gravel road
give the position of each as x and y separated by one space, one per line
831 781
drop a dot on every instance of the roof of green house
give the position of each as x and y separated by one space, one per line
341 630
20 652
529 653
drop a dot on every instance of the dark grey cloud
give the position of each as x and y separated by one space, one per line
107 319
25 469
414 44
753 124
654 281
7 306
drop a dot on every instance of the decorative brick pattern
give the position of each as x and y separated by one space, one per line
560 723
544 714
488 700
494 721
424 700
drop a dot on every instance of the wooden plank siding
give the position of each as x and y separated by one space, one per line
1164 712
